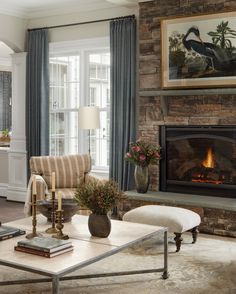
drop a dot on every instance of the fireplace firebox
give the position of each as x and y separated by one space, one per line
198 160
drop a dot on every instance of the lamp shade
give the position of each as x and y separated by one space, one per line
89 117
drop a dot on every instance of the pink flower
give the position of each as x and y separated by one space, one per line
157 154
136 148
142 157
128 155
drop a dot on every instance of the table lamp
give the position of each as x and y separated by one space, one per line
89 119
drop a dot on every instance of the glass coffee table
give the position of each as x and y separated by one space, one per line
87 250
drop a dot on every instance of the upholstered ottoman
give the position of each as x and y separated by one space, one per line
178 220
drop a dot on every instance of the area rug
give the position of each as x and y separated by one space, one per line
207 267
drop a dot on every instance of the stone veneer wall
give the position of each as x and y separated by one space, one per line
182 110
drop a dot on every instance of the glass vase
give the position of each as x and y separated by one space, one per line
141 178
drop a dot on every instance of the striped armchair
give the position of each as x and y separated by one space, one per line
70 170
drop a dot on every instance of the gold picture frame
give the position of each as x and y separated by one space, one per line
199 51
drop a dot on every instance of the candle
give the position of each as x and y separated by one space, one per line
59 200
34 186
53 181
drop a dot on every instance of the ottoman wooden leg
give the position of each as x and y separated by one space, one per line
194 234
178 241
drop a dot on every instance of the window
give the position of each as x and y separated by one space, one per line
5 100
79 75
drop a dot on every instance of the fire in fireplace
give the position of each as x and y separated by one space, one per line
199 160
207 172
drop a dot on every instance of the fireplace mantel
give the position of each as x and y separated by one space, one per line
188 92
164 94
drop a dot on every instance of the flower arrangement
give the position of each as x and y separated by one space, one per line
143 153
99 196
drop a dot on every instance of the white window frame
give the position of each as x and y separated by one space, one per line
82 48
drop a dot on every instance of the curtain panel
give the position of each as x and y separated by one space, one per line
5 100
37 93
123 98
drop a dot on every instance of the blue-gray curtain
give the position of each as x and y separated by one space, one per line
5 100
37 93
123 98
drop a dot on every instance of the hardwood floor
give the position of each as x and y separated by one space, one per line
10 211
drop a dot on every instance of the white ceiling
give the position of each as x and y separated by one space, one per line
41 8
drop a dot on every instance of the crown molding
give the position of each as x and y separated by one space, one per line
14 11
52 10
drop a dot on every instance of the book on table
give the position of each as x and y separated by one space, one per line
43 253
45 244
7 232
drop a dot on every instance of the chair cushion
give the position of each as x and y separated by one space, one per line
70 169
177 219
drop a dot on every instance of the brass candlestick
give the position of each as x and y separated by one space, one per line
60 226
34 220
53 230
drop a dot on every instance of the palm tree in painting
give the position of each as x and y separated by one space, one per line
222 35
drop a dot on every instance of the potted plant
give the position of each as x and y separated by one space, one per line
99 197
5 136
142 154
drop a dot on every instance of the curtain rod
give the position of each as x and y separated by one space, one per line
82 23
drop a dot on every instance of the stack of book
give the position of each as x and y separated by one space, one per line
44 246
9 232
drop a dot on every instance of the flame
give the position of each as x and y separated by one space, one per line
209 161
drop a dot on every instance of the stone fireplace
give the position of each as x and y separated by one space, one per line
198 160
180 107
159 108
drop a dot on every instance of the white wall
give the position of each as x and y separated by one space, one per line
85 31
13 31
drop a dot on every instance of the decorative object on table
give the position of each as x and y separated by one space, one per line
70 207
34 208
52 229
199 51
59 220
89 119
100 197
142 154
9 232
44 246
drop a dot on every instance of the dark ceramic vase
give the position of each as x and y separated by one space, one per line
99 225
141 178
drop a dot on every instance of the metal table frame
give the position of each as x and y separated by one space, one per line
56 278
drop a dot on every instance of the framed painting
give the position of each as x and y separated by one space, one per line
199 51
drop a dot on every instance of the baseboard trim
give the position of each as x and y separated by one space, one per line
18 195
3 189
